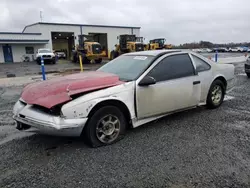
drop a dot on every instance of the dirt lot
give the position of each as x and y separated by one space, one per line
197 148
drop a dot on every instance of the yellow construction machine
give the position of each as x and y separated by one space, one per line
127 43
156 44
90 52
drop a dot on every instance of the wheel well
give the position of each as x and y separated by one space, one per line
115 103
221 78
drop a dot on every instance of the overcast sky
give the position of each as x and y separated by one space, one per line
178 21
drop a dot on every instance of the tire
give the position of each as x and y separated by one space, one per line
85 60
215 101
112 55
38 61
248 75
116 54
98 61
93 136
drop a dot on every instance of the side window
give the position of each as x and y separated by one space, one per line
172 67
29 50
200 64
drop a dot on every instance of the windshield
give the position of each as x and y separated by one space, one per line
44 51
127 67
162 41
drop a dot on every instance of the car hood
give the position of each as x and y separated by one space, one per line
60 90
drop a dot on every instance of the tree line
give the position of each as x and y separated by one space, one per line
207 44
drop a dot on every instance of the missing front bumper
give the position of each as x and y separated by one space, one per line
30 119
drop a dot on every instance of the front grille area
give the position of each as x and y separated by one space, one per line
138 47
52 111
23 103
41 108
46 55
96 49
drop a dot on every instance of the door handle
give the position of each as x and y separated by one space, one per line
196 82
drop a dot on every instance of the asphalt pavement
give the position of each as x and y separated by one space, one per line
196 148
32 68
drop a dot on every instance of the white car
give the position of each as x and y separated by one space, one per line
197 50
60 54
46 54
131 90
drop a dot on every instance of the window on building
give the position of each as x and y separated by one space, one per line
173 67
29 50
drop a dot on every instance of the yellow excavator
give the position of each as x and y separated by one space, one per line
156 44
127 43
90 52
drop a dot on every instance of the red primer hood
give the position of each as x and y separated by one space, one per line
56 91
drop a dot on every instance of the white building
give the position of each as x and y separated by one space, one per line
14 47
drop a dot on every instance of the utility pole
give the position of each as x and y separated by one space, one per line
41 15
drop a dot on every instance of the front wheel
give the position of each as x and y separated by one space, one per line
216 94
106 126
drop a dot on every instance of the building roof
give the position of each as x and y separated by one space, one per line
86 25
23 41
19 33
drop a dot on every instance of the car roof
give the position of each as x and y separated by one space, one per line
154 52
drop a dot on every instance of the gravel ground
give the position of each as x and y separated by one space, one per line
196 148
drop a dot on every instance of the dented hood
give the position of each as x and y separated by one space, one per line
59 90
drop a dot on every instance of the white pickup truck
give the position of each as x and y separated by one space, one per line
46 54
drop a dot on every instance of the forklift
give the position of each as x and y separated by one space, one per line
89 50
127 43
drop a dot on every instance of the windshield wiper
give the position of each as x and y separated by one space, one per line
125 80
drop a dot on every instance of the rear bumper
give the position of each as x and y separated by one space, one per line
29 119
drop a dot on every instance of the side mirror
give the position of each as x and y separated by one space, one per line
146 81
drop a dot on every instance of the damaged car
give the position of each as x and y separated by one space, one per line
129 91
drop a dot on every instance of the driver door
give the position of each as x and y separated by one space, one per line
177 87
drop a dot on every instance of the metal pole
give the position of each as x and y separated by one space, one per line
81 41
80 59
43 68
216 56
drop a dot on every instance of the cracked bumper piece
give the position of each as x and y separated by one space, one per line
31 119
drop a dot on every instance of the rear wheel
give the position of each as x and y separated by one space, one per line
248 75
85 60
106 126
216 94
38 61
112 55
98 61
